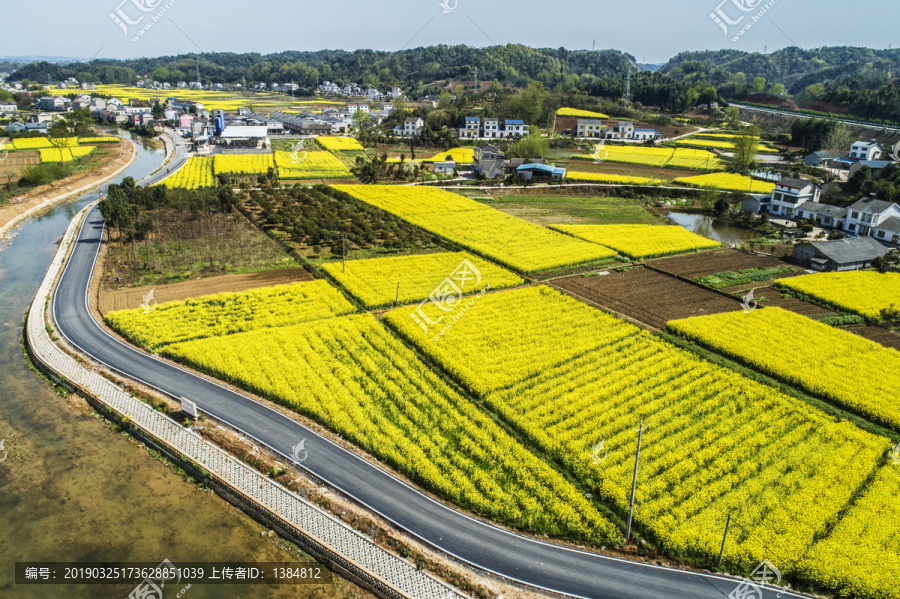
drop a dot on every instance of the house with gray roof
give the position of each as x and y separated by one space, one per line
852 253
868 214
822 215
820 158
876 166
789 194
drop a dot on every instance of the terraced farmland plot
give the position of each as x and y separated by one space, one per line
228 313
515 243
356 378
865 293
582 177
853 372
728 182
685 158
379 282
65 154
311 165
339 143
196 173
647 296
576 381
243 164
37 143
641 241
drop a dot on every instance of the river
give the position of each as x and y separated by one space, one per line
73 489
708 226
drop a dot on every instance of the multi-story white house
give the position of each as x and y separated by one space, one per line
622 130
412 127
351 108
8 108
589 128
866 150
471 129
514 128
789 194
874 218
396 93
491 128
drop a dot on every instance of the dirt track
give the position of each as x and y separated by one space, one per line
133 297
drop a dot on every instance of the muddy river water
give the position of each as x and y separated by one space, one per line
74 489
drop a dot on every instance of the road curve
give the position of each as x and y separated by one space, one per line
480 544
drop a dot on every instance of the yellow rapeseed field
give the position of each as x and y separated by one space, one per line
339 143
311 165
513 242
866 293
581 177
575 381
728 182
641 241
353 376
229 313
243 164
848 369
64 154
684 158
379 282
587 114
197 172
37 143
458 155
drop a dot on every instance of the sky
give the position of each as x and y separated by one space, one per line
651 30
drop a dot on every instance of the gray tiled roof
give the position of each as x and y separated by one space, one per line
794 183
850 250
891 224
826 209
874 205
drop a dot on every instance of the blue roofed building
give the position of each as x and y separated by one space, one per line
540 172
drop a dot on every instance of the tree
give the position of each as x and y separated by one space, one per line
360 119
778 89
746 146
532 146
444 100
759 85
733 113
838 139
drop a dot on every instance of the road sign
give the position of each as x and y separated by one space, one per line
189 408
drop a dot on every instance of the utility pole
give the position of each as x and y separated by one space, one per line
476 80
637 459
397 301
343 252
724 537
594 47
628 87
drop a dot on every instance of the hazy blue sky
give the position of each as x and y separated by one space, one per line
651 30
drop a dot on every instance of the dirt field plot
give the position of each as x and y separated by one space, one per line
707 263
648 296
774 298
880 335
133 297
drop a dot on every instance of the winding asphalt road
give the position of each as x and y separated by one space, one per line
480 544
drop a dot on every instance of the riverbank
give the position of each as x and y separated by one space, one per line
44 197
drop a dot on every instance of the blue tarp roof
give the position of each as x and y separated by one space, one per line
473 118
514 122
646 130
542 167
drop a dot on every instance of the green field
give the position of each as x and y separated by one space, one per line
582 210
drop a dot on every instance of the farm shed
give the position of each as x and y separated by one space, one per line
841 254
